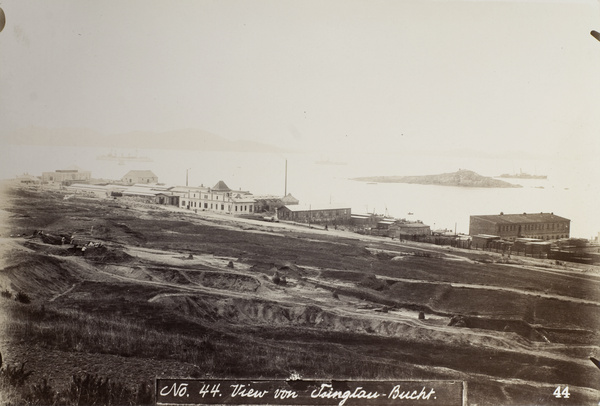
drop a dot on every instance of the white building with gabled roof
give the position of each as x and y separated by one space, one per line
220 199
139 176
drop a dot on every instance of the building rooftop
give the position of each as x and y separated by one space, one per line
365 215
306 207
221 187
134 191
487 236
410 225
522 218
153 186
140 173
85 186
188 188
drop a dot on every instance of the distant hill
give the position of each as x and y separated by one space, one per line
462 178
187 139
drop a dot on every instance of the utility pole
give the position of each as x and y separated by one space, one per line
187 176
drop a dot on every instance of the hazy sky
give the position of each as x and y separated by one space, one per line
507 75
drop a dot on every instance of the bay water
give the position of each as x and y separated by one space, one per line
318 179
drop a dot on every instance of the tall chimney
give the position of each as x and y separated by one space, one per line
285 194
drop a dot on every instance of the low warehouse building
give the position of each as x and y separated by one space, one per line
406 230
320 215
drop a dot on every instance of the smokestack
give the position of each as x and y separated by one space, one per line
285 194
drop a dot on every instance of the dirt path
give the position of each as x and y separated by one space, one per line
63 293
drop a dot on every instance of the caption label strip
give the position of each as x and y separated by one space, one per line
304 392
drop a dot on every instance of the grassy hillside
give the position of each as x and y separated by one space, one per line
171 293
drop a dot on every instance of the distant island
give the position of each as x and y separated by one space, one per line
462 178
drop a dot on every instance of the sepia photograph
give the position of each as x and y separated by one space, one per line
276 202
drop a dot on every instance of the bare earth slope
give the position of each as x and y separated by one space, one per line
170 293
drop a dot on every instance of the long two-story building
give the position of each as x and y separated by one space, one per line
541 226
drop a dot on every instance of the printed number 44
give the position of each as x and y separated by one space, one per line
562 393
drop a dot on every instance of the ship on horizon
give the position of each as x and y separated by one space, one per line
522 175
122 158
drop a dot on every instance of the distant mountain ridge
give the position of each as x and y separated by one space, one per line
188 139
462 178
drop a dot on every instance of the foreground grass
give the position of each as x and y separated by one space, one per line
214 355
218 353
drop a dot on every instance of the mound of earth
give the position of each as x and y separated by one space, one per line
38 275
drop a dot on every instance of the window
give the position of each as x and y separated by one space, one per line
206 205
222 207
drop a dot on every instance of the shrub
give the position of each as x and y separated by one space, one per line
22 298
6 294
144 395
13 376
42 394
371 282
206 344
91 389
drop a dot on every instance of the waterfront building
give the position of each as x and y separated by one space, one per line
220 199
317 214
365 220
67 176
408 229
26 179
139 176
541 226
